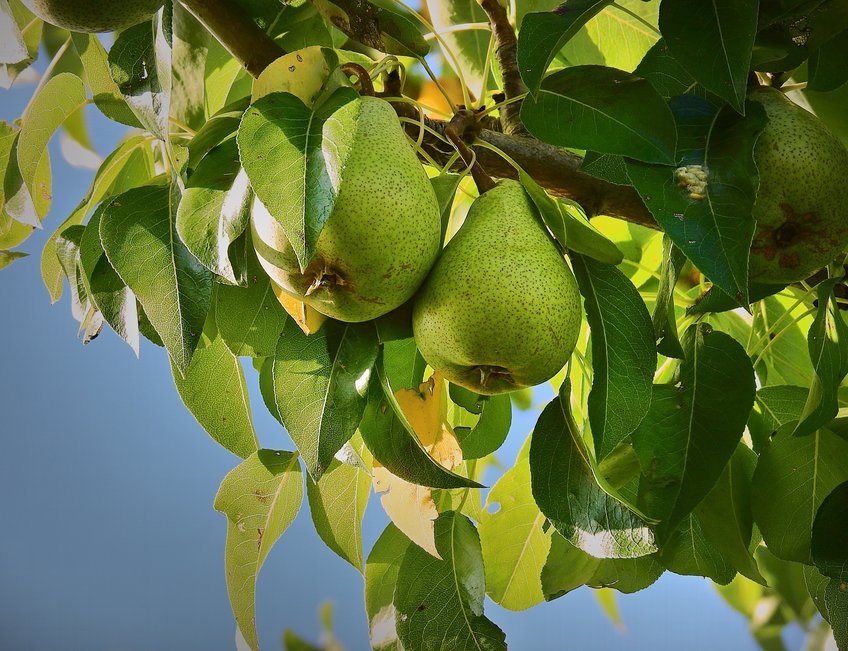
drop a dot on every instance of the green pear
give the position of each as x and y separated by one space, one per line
500 309
383 233
93 15
801 208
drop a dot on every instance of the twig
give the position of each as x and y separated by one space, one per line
366 87
242 37
505 51
555 169
462 123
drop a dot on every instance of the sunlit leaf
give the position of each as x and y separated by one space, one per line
513 538
138 236
215 391
215 208
829 354
337 503
260 498
381 573
566 568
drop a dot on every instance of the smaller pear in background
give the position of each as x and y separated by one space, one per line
802 206
500 309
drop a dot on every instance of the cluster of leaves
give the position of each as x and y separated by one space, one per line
718 452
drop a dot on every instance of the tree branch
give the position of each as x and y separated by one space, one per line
242 37
505 52
557 170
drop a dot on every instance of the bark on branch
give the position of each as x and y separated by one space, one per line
506 45
555 169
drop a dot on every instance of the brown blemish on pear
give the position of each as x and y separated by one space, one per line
801 208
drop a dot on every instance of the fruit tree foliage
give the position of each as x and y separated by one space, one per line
659 234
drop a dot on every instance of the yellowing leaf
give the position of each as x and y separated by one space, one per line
307 317
410 506
301 73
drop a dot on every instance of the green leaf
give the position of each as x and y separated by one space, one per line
445 186
664 318
829 354
51 105
825 68
105 288
603 109
713 43
130 164
281 143
490 431
67 250
624 354
569 225
250 319
12 46
293 642
20 22
692 430
439 602
260 498
566 568
320 386
831 599
568 493
712 224
829 542
543 34
8 257
775 406
215 208
392 441
337 503
134 67
138 236
374 26
403 364
469 47
215 391
381 572
665 73
715 300
689 552
189 50
793 477
725 516
513 538
626 575
107 97
20 204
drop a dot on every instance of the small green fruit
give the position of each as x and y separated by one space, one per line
93 15
500 310
802 206
383 233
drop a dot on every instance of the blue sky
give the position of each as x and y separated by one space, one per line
109 539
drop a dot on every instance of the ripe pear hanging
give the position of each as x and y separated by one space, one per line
501 309
383 233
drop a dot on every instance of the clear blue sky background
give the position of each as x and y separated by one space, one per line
109 540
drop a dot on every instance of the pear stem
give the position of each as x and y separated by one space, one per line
366 86
506 48
464 122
